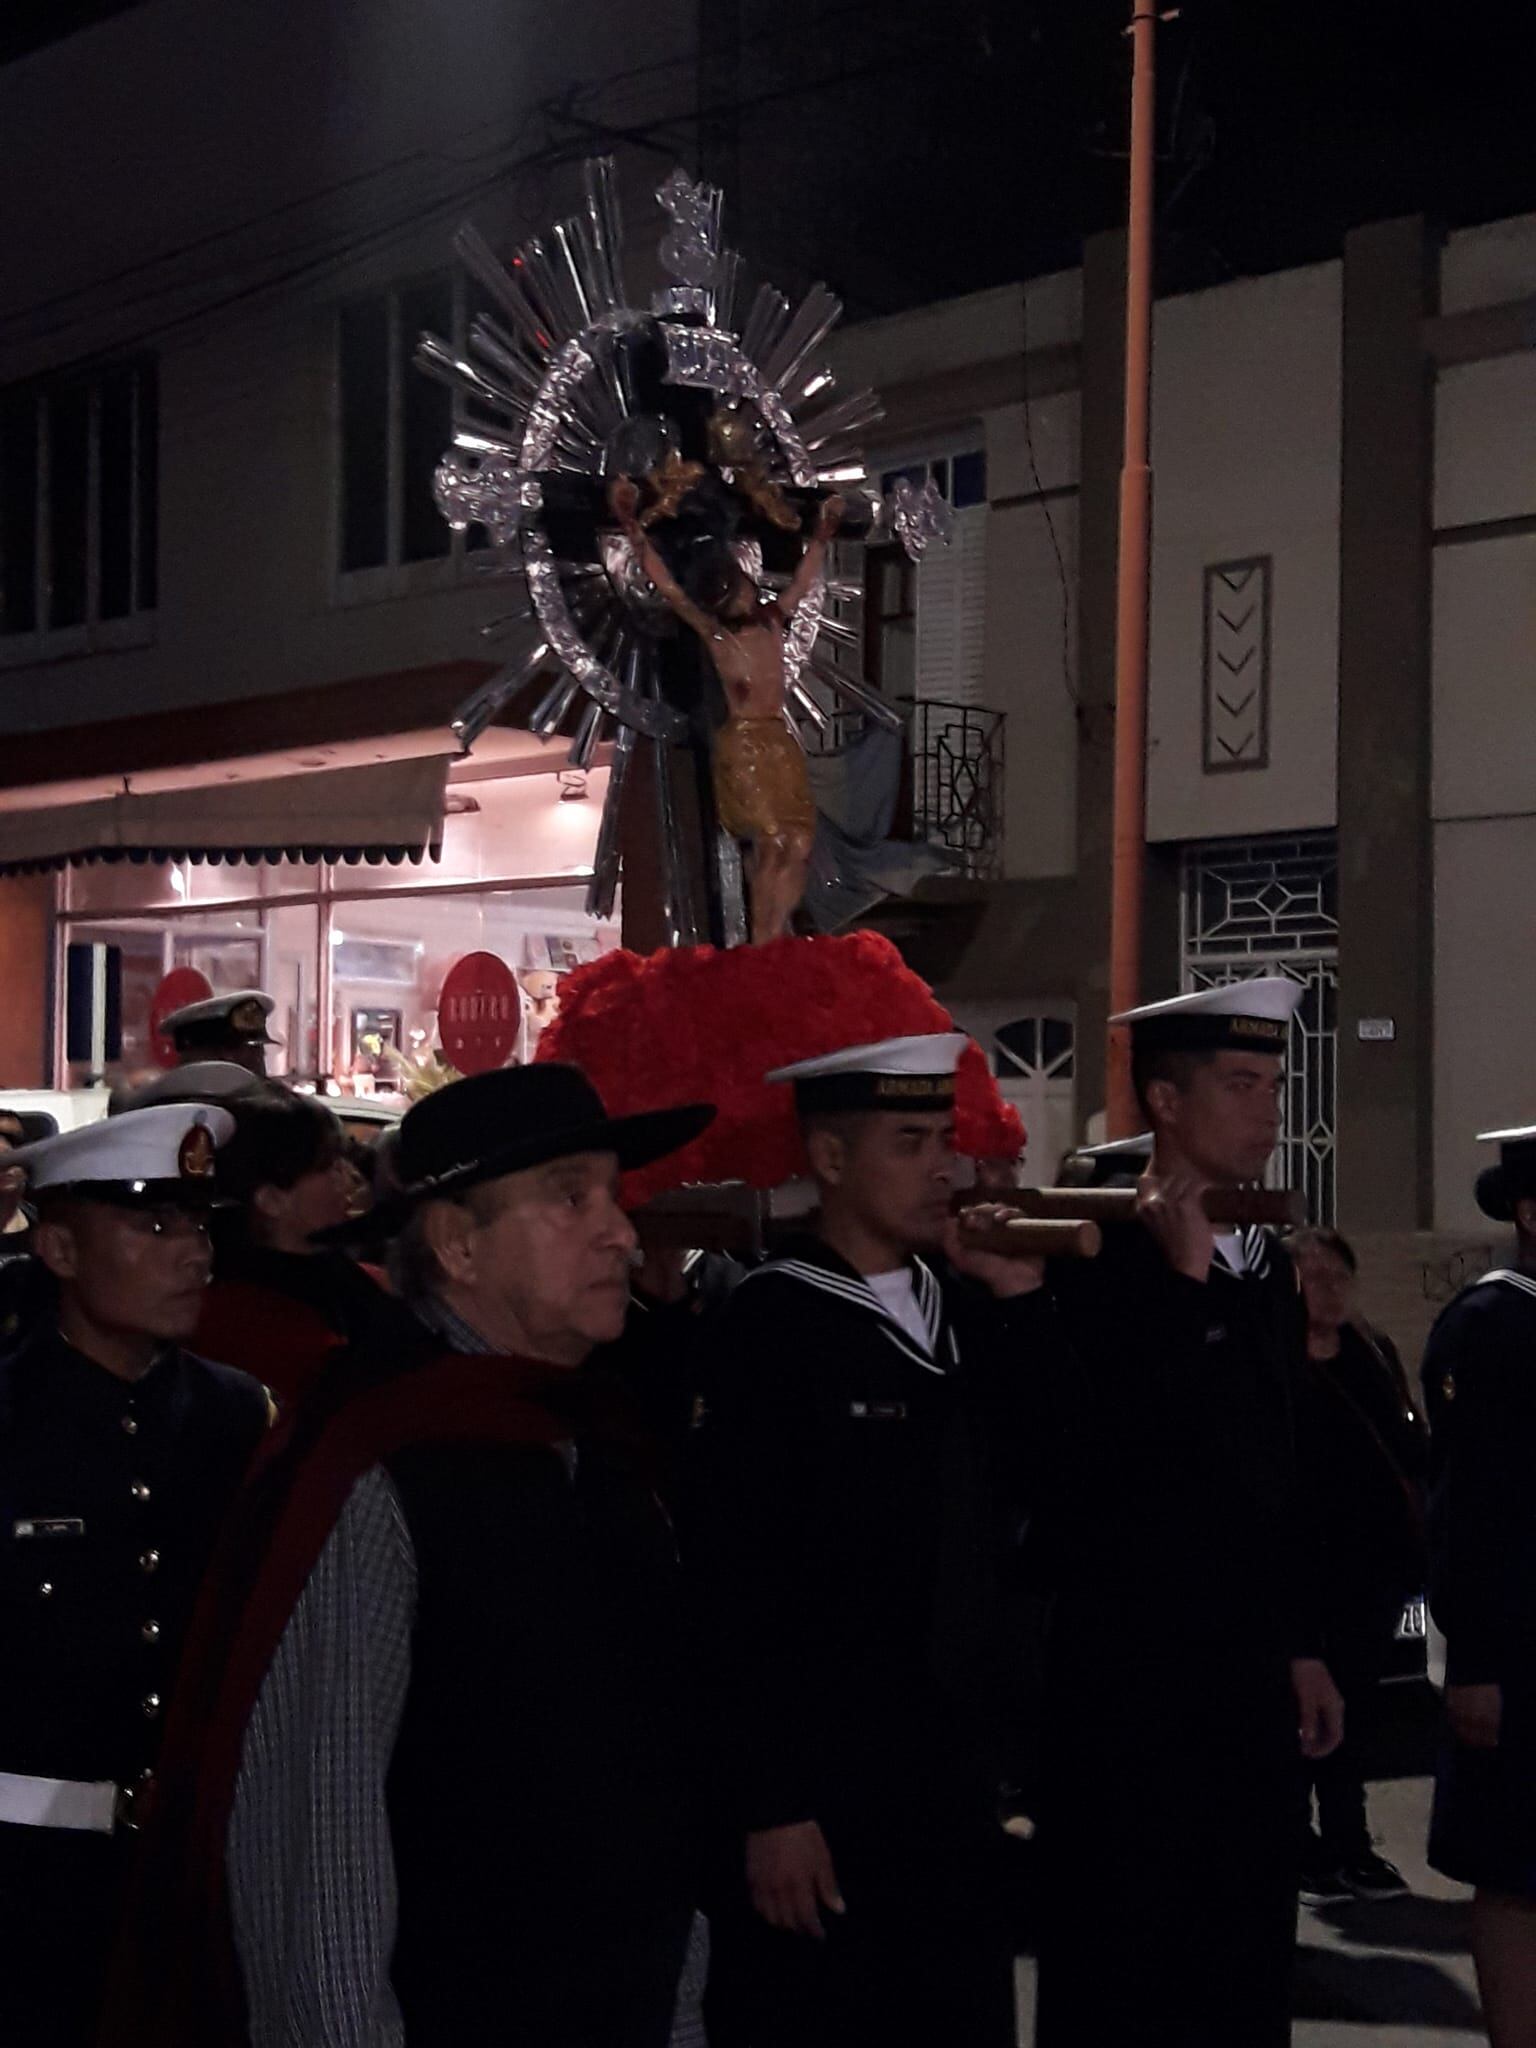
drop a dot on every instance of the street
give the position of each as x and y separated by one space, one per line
1395 1974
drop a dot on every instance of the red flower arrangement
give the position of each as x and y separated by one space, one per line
699 1025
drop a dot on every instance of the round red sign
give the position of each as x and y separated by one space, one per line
181 986
479 1013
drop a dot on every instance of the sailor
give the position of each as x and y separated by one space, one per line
842 1548
1183 1657
23 1283
455 1554
215 1080
118 1453
1480 1392
229 1027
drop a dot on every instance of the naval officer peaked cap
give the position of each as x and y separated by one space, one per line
147 1156
1241 1016
216 1020
1514 1178
898 1073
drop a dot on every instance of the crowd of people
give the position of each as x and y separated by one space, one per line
428 1615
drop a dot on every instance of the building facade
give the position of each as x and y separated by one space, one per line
232 624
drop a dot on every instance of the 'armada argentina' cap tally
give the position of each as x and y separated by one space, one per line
1240 1016
895 1074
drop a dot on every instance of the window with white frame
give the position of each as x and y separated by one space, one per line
79 509
932 621
394 427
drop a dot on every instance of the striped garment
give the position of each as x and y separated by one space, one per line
311 1869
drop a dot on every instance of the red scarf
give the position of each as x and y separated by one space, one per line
176 1979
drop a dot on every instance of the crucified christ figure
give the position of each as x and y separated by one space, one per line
762 792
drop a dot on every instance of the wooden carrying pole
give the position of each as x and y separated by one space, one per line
1129 844
1233 1208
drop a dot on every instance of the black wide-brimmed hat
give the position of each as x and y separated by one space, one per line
488 1125
1513 1180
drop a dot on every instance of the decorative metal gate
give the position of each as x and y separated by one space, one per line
1270 906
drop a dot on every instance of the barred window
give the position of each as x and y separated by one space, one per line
79 508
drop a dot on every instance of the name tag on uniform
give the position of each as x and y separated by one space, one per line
51 1525
878 1411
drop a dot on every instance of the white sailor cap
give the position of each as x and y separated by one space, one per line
897 1073
196 1081
1240 1016
240 1016
146 1156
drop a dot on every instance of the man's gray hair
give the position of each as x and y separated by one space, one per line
415 1270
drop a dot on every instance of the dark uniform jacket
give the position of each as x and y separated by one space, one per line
111 1494
27 1292
857 1493
844 1537
1480 1392
1187 1577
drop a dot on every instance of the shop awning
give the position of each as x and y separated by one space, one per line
389 811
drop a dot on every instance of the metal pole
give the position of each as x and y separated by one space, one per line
1132 596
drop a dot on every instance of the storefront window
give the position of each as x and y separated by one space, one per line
354 956
389 960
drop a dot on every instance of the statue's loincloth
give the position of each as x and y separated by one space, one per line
761 787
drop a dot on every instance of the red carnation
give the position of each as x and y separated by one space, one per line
699 1025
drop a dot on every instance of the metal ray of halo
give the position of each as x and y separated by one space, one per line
606 223
858 694
818 313
551 289
477 710
810 707
503 286
846 589
578 271
503 621
588 731
728 289
765 322
682 920
437 360
839 630
603 887
487 340
549 713
851 415
852 471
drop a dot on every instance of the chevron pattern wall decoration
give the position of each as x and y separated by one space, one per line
1235 666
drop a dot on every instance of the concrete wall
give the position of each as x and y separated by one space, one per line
1031 647
1246 463
1484 782
345 142
26 915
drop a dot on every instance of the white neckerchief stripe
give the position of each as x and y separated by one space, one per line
1521 1280
858 1295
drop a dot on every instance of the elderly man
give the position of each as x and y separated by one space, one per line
437 1731
119 1451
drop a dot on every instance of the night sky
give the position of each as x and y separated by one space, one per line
913 149
985 137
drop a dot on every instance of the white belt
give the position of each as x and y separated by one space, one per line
59 1803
